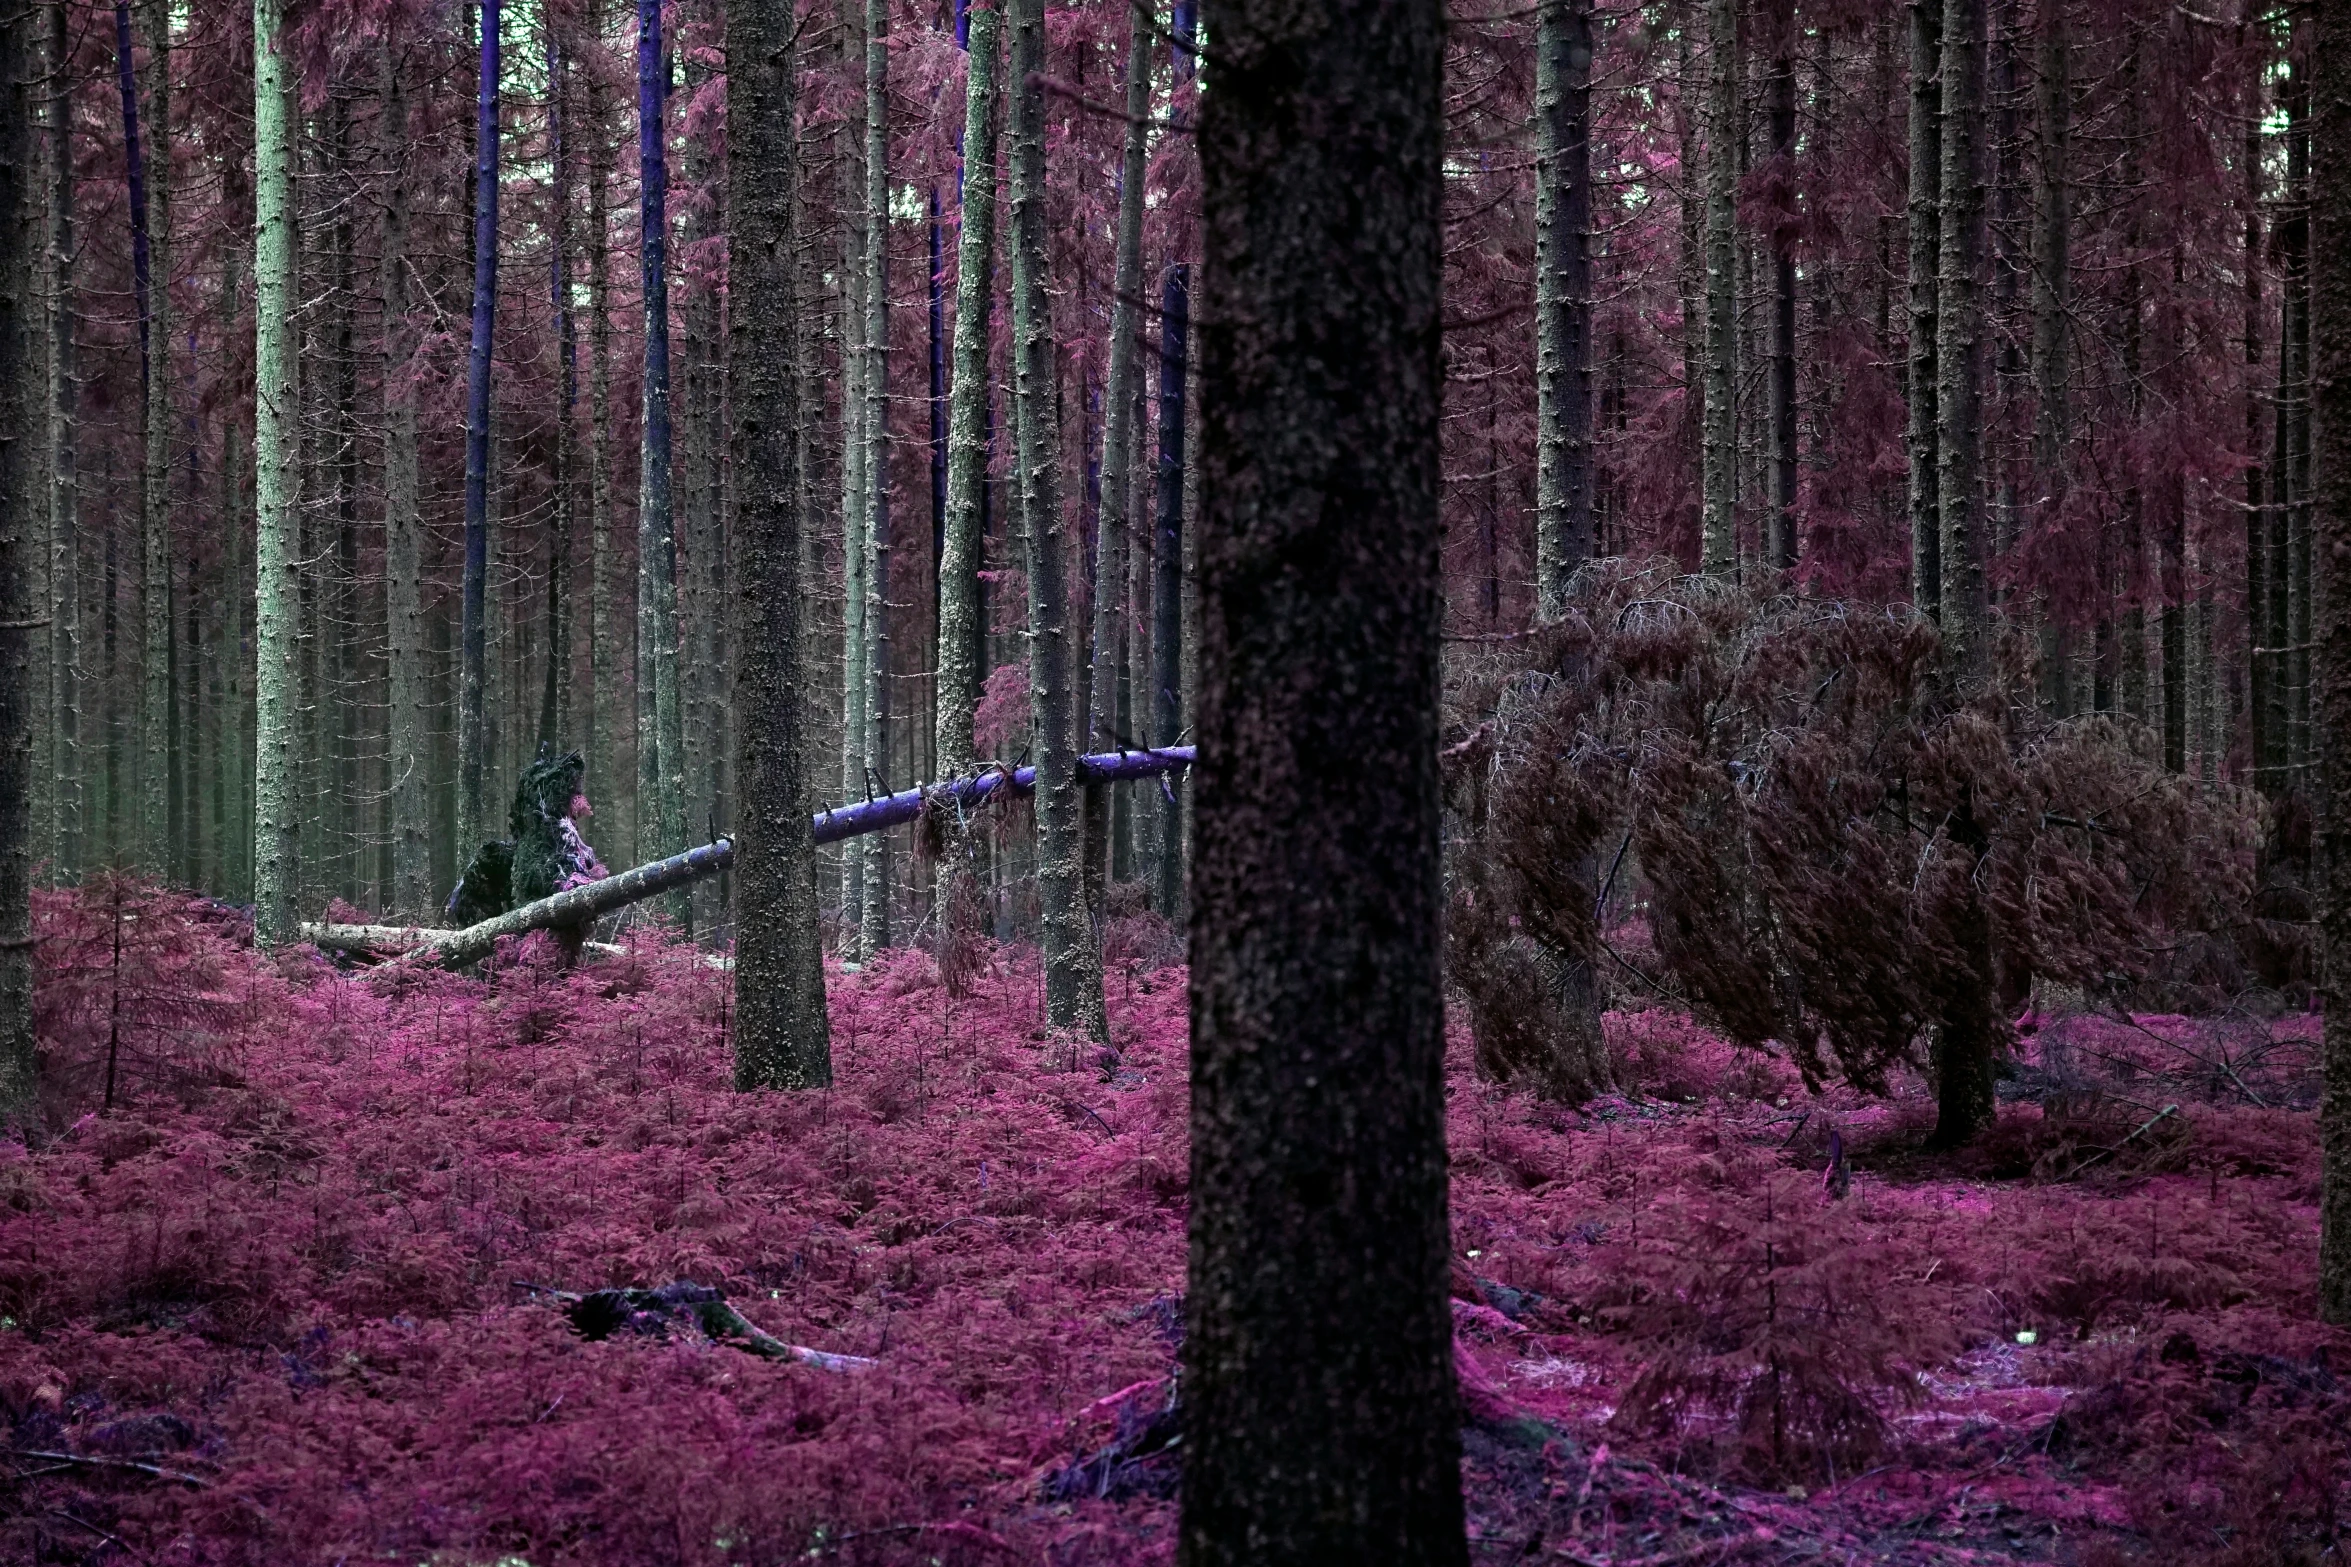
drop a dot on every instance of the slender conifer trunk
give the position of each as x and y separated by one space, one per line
1779 549
605 708
1167 579
781 1038
2330 305
276 480
1563 297
1105 727
410 679
1926 228
962 606
1959 436
65 591
474 819
657 556
1073 977
21 389
2052 326
555 697
873 385
2259 662
1719 464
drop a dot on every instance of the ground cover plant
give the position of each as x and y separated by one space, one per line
297 1300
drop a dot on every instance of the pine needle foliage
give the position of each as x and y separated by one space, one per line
1838 853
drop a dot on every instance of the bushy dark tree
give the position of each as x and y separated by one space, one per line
1839 855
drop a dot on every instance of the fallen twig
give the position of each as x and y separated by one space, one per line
63 1460
2137 1132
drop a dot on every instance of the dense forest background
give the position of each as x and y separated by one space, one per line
2121 248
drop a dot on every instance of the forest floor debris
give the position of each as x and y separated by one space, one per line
265 1310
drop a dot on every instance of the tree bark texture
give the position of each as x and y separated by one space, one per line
1719 460
65 650
1105 725
781 1032
1926 226
657 553
856 493
1167 577
276 483
2052 319
1073 965
1779 545
1563 297
605 708
474 819
961 637
1959 355
410 679
21 540
2330 308
874 439
1321 1417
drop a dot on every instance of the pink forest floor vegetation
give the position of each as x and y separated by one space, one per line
287 1302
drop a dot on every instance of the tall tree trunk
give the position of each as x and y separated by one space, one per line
1966 1028
555 696
856 493
1926 243
1779 552
874 384
2172 547
2295 410
1321 1418
1104 726
2260 661
1073 973
1959 436
277 479
2131 579
1719 468
1690 265
474 817
962 607
657 556
2052 326
605 709
21 392
781 1038
342 618
1563 297
65 590
2330 302
410 694
150 204
1167 579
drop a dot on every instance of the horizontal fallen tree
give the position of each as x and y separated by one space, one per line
582 905
687 1308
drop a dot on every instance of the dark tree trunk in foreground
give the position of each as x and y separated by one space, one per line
474 819
2330 382
20 402
781 1038
1322 1423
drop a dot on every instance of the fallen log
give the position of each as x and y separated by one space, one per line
584 904
689 1307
